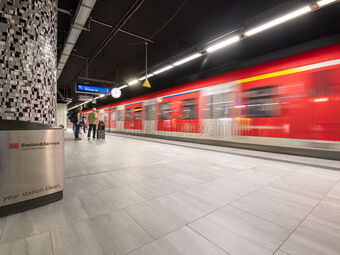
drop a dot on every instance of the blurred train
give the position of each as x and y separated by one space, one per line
289 105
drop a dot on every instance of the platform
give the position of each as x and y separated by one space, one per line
144 196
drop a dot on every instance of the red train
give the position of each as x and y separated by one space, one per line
296 98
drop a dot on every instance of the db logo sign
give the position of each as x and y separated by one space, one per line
13 146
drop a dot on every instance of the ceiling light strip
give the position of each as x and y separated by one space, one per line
279 20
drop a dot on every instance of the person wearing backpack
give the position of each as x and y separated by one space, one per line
77 122
92 119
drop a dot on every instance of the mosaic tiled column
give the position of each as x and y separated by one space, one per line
28 30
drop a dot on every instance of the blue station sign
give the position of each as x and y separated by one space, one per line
85 88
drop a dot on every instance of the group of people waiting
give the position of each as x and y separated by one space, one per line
79 120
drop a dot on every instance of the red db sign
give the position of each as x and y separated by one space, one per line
13 146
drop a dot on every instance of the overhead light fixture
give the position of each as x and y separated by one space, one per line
187 59
122 87
223 43
322 99
163 69
144 77
133 82
279 20
325 2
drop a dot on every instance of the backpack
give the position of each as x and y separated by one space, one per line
101 125
72 116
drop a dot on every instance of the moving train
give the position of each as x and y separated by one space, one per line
289 105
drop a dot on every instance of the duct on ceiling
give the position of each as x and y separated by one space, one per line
80 18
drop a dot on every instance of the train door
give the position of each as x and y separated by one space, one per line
165 115
219 108
179 113
324 102
120 118
113 119
188 114
107 119
134 116
149 116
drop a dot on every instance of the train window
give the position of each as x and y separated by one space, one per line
165 111
120 115
128 114
101 116
189 109
113 116
218 106
106 117
137 113
323 83
150 112
261 102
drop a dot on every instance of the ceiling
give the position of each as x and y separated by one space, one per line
181 27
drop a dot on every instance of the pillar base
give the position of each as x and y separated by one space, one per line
30 204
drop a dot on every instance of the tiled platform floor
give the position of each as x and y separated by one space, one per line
143 196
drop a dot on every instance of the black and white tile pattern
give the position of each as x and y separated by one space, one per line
28 30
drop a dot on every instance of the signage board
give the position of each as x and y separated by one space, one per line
90 89
31 166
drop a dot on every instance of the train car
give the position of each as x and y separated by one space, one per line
286 105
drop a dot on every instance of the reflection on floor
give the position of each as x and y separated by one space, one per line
129 195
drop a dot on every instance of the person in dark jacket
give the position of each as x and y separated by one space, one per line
78 123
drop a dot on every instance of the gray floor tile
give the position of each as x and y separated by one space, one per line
116 179
275 170
25 224
206 197
281 252
301 202
109 200
318 171
2 224
181 242
327 213
335 191
35 245
156 187
240 233
162 216
310 186
76 239
244 182
187 180
313 238
78 186
276 210
114 233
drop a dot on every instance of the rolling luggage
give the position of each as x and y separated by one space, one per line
101 130
100 134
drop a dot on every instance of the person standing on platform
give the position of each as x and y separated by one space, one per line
78 123
83 122
92 119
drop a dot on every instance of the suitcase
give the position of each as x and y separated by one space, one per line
100 134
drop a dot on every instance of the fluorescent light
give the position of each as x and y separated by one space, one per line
122 87
223 43
187 59
144 77
323 99
278 21
163 69
133 82
324 2
103 95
